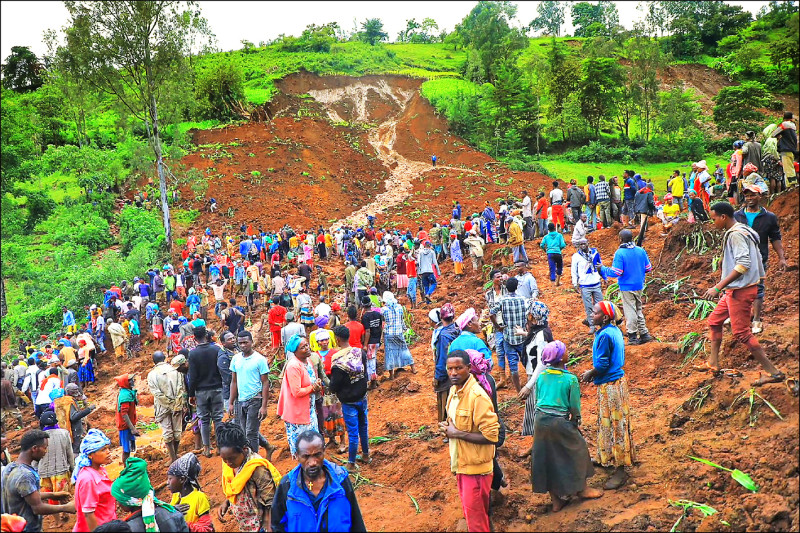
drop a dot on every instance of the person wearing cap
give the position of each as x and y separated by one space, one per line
586 277
469 324
765 223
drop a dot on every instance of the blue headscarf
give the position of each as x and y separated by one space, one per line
93 441
56 393
293 343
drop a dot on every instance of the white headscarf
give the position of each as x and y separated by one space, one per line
389 299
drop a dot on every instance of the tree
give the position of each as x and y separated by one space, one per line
645 58
655 17
219 90
486 29
136 51
787 50
599 84
405 35
563 75
372 31
735 109
550 17
594 19
679 111
22 70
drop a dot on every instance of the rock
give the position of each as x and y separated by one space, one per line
413 387
678 420
528 517
632 486
461 526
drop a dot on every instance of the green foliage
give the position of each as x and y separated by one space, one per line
139 226
735 109
600 79
549 17
313 39
679 111
372 32
22 70
594 19
18 141
77 225
219 89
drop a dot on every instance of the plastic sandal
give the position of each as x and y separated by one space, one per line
731 373
769 378
793 386
705 366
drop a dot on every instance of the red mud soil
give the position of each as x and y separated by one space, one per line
667 427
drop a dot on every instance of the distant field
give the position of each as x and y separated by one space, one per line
660 172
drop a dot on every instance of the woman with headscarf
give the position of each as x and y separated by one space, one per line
560 462
702 184
313 338
186 494
538 336
134 493
397 354
86 370
193 302
249 481
332 417
481 369
736 166
299 388
771 167
614 440
94 504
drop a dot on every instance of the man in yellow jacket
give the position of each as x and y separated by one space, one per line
472 428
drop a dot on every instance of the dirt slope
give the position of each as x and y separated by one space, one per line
401 133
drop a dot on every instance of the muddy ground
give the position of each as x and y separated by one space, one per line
386 144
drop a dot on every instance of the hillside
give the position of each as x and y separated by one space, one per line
397 131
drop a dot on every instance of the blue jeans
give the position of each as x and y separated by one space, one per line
411 290
500 347
591 215
519 254
514 354
355 420
542 227
428 283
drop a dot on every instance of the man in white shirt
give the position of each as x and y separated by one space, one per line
322 309
527 216
579 232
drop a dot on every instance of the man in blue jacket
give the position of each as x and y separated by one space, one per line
316 495
629 267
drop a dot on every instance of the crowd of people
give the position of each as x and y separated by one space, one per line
328 349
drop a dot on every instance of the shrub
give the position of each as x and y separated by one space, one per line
219 89
139 226
77 225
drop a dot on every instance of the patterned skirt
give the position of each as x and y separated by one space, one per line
332 416
614 441
135 344
306 316
86 373
294 430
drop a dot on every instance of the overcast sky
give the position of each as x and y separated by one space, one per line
23 22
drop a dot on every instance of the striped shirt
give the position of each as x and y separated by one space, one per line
602 192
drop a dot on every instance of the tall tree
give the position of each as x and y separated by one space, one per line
22 70
135 50
68 74
564 73
594 19
679 111
599 85
372 31
487 30
549 17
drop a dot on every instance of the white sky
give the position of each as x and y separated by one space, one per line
23 22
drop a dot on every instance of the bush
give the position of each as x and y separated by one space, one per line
139 226
219 89
77 225
597 152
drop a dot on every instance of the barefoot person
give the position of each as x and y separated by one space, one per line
614 440
741 272
560 462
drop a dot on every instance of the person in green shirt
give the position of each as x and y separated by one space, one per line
553 243
169 285
560 462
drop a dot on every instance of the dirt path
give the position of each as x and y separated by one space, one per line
402 171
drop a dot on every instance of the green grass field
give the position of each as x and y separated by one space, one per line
659 172
59 186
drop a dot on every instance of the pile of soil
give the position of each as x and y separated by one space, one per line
669 422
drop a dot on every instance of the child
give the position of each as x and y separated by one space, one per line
186 494
560 457
553 243
126 414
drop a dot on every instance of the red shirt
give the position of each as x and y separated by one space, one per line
93 495
276 316
184 254
177 306
422 235
467 225
356 331
543 205
127 408
411 268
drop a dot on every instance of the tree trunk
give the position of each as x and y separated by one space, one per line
162 180
3 306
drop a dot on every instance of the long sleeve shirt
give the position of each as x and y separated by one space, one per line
167 387
740 253
440 342
608 354
585 271
203 371
630 266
